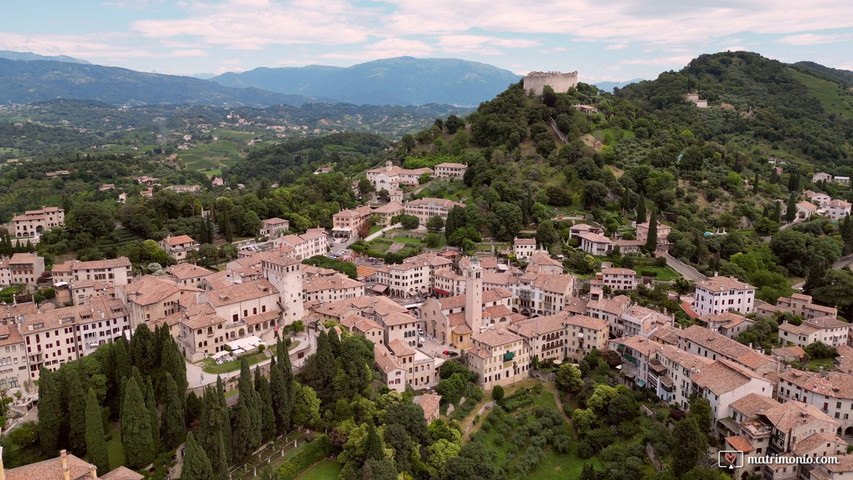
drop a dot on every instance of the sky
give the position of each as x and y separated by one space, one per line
604 40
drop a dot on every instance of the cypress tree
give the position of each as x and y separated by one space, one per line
641 209
283 360
225 423
335 342
247 435
151 405
242 438
791 211
652 238
172 420
136 427
755 183
196 462
76 414
282 401
210 432
122 360
96 444
268 423
777 212
142 349
172 362
49 412
373 446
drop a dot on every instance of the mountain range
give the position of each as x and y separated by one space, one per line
399 81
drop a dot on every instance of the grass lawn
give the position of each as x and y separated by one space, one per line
663 273
210 366
114 447
322 470
826 363
407 240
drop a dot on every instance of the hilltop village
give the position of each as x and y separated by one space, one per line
423 307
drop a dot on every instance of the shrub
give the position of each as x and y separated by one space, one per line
562 443
310 454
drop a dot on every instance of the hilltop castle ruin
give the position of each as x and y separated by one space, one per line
535 82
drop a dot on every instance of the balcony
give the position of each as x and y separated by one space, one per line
667 384
657 367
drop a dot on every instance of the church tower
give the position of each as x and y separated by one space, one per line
474 295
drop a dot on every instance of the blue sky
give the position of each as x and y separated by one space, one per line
604 40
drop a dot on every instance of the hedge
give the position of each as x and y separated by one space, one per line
311 453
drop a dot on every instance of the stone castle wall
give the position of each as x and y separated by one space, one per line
561 82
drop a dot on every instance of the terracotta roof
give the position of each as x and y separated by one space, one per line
495 338
429 402
793 351
826 322
594 237
179 240
831 384
496 311
688 309
538 326
148 289
119 262
740 443
121 473
185 271
818 440
615 306
390 207
525 241
618 271
363 271
240 292
641 344
398 318
807 205
279 257
438 202
786 416
337 282
586 322
845 464
274 221
100 308
399 348
360 323
723 284
693 363
753 404
479 352
554 283
844 360
262 317
451 165
725 346
797 329
723 376
384 359
50 469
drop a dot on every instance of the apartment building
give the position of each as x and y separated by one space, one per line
385 213
149 298
582 335
393 374
275 227
57 336
721 294
802 305
837 209
670 374
446 283
541 294
408 279
523 247
636 353
14 367
426 208
188 274
541 262
609 309
544 336
619 278
498 357
330 288
115 271
829 391
21 269
347 223
827 330
33 222
639 320
728 324
450 170
701 341
178 247
312 242
359 325
724 382
391 176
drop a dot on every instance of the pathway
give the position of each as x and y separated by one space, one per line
377 234
683 269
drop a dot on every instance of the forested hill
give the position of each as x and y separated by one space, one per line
754 101
844 77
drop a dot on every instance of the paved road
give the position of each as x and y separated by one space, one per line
684 270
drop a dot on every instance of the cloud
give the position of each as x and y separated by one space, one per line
616 46
816 39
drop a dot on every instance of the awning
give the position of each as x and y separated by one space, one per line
440 292
641 383
379 288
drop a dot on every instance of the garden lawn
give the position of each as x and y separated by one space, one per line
665 274
323 470
115 450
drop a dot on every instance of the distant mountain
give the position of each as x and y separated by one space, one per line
844 77
27 56
399 81
24 82
609 86
203 75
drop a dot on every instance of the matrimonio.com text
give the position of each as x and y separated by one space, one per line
731 459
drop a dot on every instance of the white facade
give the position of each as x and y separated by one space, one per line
721 294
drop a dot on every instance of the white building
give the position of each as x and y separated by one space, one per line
619 278
178 247
312 242
21 269
391 176
285 274
450 170
827 330
523 247
831 392
426 208
33 222
724 382
721 294
498 357
595 244
116 271
837 209
331 288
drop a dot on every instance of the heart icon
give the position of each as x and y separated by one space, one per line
731 458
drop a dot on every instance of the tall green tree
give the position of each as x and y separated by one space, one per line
136 434
49 412
172 362
172 421
76 412
641 209
791 209
151 405
96 444
268 423
246 436
690 443
196 462
210 432
282 399
652 237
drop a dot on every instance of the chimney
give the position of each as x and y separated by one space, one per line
93 472
66 474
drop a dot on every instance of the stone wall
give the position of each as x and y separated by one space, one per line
561 82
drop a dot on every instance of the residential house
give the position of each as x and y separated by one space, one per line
805 210
802 305
619 278
670 373
393 374
829 391
701 341
582 335
188 274
498 357
639 320
724 382
312 242
391 176
426 208
450 170
347 223
827 330
116 271
837 209
21 269
595 244
274 227
330 288
728 324
178 247
721 294
608 309
33 222
385 213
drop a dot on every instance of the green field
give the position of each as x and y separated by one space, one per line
834 98
324 469
114 447
664 274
